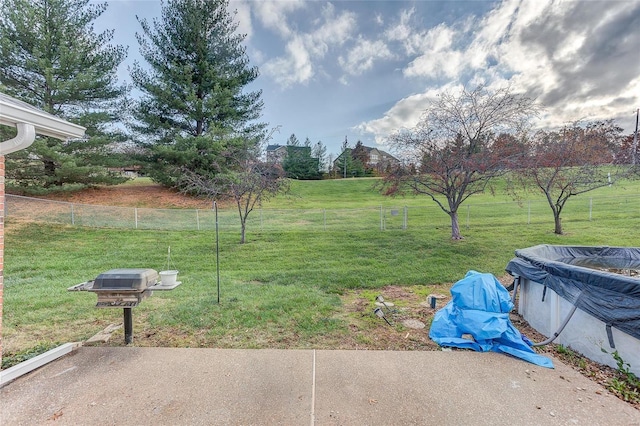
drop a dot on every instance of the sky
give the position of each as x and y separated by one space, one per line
365 69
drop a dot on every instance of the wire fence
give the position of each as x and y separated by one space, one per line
366 218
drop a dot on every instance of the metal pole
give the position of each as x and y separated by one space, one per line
128 326
635 137
135 212
197 219
73 219
590 207
215 207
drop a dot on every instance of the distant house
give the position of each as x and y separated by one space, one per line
128 171
276 153
296 161
379 158
373 159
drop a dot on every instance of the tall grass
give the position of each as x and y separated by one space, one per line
281 289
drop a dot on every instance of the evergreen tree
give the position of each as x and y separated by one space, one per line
319 151
293 140
360 157
299 164
51 58
192 95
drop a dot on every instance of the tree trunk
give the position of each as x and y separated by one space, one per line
455 226
243 227
558 221
49 172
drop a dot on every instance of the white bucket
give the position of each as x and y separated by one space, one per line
168 278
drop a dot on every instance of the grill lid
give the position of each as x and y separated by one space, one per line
125 279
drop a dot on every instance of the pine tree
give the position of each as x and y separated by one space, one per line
51 58
192 93
293 140
360 157
319 151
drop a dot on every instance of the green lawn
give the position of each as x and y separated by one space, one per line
281 289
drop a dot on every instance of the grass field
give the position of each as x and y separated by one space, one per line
284 288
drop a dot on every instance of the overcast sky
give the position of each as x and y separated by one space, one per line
363 69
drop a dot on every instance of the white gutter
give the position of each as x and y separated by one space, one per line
25 137
29 365
31 121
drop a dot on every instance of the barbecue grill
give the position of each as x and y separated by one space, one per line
124 288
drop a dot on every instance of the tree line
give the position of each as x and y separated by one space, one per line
193 108
194 126
467 139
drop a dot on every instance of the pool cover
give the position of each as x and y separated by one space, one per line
480 308
612 298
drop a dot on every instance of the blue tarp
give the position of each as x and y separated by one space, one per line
480 306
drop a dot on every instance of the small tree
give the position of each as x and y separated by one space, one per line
243 178
452 151
569 162
319 151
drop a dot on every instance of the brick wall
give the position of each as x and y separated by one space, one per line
1 246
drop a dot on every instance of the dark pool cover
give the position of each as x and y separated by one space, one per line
480 307
612 298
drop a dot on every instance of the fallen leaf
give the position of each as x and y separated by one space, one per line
56 415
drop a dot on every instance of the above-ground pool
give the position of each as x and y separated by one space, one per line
602 282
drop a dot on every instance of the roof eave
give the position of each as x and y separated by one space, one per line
12 113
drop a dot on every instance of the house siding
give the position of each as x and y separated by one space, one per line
1 248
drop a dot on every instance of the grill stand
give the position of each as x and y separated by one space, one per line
124 297
128 326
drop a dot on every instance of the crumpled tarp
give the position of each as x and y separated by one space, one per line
480 307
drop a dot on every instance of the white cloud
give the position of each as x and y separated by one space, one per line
405 114
403 30
333 31
273 14
304 50
577 59
293 68
363 55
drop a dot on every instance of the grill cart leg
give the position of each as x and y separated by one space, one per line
128 326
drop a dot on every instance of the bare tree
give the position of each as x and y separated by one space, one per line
452 153
245 179
569 162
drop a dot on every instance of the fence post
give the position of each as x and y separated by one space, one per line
197 219
404 222
135 213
